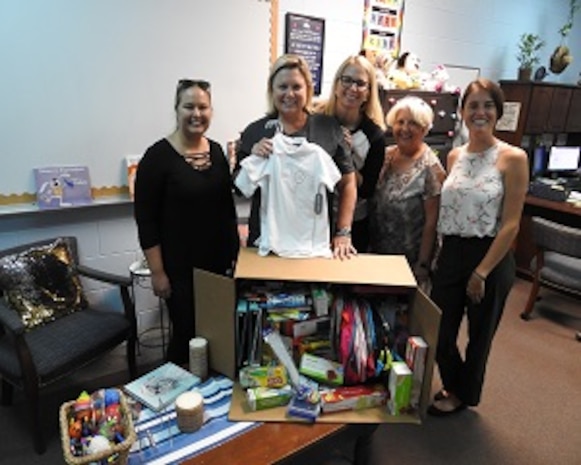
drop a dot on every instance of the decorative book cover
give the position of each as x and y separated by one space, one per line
161 386
62 186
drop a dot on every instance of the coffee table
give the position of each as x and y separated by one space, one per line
269 443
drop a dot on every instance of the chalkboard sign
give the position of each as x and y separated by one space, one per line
305 36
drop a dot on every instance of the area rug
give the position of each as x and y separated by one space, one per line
159 440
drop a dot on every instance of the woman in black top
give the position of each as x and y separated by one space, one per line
354 101
184 211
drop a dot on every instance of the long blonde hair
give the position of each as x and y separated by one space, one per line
372 107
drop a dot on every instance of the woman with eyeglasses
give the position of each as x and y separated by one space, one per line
185 211
354 102
290 92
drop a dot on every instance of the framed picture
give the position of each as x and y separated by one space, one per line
305 36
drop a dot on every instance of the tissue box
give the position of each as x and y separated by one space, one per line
321 369
261 398
415 357
263 376
400 385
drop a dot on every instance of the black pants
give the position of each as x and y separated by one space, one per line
360 235
182 316
458 259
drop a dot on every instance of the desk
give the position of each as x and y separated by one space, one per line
560 212
269 443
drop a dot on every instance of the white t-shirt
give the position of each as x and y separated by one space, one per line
294 180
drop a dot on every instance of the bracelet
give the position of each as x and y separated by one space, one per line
479 276
343 232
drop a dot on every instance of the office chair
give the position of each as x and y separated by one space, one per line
35 353
557 261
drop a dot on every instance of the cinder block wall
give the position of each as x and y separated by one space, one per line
107 239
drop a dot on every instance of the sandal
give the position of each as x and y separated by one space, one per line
451 406
441 394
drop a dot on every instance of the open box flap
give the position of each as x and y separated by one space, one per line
382 270
215 301
425 321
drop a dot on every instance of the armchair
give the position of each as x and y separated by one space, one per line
33 357
557 262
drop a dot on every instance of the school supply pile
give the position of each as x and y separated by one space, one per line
354 354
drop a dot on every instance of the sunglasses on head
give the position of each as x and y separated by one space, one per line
187 83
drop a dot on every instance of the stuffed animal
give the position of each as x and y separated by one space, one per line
83 407
405 72
383 62
438 79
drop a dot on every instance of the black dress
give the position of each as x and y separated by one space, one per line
191 215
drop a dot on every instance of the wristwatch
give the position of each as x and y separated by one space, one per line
343 232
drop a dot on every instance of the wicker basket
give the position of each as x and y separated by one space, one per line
121 450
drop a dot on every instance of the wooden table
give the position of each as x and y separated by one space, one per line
269 443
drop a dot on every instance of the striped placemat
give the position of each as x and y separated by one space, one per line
159 440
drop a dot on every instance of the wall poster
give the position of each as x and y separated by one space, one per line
62 186
305 36
382 23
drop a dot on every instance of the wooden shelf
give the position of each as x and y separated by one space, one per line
32 208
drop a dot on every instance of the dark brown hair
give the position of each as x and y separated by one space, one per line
185 84
489 86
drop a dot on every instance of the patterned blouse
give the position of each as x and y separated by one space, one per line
397 209
472 196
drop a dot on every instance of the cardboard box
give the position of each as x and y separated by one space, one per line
215 298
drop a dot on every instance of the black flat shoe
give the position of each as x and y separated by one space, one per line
436 412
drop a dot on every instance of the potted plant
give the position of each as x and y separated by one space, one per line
527 57
561 57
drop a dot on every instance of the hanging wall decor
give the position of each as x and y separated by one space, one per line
305 36
382 23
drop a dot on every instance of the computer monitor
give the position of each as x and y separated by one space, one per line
563 161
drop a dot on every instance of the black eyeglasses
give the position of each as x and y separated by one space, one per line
187 83
348 81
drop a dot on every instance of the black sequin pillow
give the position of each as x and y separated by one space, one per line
41 283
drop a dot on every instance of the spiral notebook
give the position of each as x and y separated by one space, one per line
161 386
